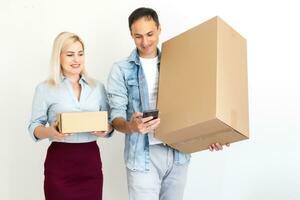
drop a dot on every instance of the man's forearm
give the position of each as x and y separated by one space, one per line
120 124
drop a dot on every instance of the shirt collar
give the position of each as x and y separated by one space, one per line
81 80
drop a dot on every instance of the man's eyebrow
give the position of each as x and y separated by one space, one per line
139 34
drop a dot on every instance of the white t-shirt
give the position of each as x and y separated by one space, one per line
151 73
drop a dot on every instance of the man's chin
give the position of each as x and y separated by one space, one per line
146 53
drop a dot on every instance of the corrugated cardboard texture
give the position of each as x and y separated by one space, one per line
203 83
76 122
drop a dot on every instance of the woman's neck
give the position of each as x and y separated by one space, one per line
73 78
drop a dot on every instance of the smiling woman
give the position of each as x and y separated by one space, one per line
73 167
67 54
72 59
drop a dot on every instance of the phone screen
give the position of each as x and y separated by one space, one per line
153 113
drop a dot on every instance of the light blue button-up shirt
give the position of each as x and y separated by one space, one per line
50 100
127 92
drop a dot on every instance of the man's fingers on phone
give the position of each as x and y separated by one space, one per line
155 122
137 114
146 119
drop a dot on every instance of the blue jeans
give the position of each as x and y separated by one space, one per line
164 181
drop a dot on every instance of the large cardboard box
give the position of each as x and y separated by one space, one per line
76 122
203 94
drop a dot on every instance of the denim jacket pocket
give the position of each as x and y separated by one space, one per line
134 95
133 89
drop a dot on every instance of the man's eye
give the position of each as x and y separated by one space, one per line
69 55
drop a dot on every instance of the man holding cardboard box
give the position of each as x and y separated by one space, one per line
154 169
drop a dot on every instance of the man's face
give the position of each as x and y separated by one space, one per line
145 34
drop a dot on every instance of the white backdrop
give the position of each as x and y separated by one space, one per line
266 167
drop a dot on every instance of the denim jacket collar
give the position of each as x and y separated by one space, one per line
134 57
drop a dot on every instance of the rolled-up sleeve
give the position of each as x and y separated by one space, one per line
39 111
104 104
117 93
103 98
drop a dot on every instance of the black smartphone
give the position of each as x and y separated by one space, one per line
153 113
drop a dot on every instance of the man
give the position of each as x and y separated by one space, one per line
155 171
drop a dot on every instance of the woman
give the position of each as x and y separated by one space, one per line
73 168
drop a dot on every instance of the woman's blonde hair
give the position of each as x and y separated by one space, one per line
61 41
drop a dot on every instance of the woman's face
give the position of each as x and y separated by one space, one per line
72 59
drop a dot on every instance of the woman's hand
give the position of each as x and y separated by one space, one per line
42 132
103 133
52 132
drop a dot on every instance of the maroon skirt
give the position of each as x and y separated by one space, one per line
73 171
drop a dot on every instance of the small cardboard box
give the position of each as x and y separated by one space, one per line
203 88
76 122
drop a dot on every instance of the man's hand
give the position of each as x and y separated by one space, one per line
142 125
216 146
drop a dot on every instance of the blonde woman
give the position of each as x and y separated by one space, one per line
73 168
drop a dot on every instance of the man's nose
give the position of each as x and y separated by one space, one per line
145 42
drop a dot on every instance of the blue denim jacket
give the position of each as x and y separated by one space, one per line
127 92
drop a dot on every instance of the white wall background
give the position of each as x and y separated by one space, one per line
266 167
